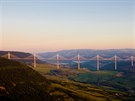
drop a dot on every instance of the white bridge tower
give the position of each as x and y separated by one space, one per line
78 59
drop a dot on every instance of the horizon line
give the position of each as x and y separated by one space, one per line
27 51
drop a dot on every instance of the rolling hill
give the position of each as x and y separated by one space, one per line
113 85
18 82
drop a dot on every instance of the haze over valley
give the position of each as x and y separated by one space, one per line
67 50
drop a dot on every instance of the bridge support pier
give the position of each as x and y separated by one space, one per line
58 63
97 57
9 55
115 59
132 61
78 58
34 60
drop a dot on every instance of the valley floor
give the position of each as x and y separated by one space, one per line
80 85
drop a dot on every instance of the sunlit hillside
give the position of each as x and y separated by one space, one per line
24 84
111 84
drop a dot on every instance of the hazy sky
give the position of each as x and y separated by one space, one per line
50 25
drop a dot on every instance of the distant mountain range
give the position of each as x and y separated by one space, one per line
123 53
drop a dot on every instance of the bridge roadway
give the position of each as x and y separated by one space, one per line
77 58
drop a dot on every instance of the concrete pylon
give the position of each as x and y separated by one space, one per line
78 59
132 61
97 57
115 59
34 61
9 55
57 59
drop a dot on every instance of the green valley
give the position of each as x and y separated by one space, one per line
95 82
18 82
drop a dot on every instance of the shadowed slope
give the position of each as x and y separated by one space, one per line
21 83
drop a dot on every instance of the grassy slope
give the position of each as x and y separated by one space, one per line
21 83
126 82
76 89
